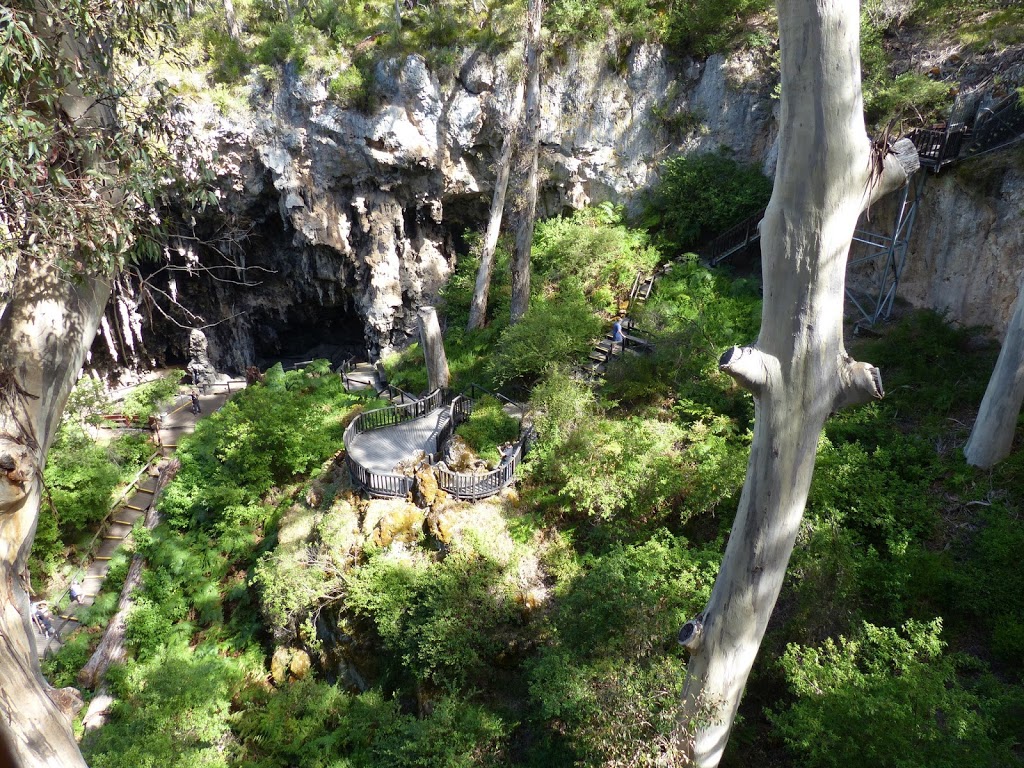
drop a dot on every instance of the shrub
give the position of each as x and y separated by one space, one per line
628 471
172 711
841 688
560 329
610 672
443 620
595 250
263 436
146 399
700 28
310 724
80 478
699 197
487 428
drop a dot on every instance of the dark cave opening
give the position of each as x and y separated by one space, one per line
308 332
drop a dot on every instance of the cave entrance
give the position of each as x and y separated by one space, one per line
309 332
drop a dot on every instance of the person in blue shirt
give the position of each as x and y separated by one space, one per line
617 336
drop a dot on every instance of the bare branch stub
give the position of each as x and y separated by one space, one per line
690 635
747 365
860 383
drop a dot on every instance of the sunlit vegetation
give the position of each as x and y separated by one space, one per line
283 621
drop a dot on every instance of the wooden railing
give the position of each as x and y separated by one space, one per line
473 487
396 414
459 485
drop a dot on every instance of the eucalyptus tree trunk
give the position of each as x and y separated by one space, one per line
478 309
45 332
798 370
46 327
996 424
229 15
528 148
433 349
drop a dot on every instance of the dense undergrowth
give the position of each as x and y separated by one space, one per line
285 622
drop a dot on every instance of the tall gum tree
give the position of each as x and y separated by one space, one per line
992 435
528 147
74 187
798 370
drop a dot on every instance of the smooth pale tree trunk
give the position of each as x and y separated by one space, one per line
528 163
45 332
433 349
229 14
46 329
478 309
111 648
996 424
798 370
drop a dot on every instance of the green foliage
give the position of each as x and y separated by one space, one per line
146 399
693 315
61 668
57 175
593 249
560 329
265 435
931 369
444 620
171 711
989 587
910 95
699 197
309 724
629 471
610 673
407 370
81 477
487 428
842 690
87 401
700 28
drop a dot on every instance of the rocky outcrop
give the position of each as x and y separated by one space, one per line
336 225
353 221
963 254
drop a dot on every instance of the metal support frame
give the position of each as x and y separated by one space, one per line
890 247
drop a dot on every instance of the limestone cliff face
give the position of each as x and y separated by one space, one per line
963 256
356 218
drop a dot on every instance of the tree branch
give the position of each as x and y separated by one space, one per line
894 164
749 366
860 383
690 634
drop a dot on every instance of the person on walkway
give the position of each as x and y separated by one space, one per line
196 407
41 618
75 591
617 337
156 421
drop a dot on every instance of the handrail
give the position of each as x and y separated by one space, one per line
727 242
472 487
390 415
463 486
103 524
496 395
